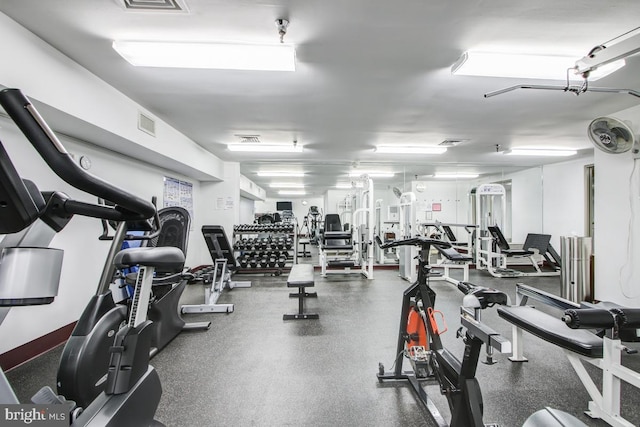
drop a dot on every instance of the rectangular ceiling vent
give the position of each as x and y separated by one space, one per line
452 142
251 139
155 5
146 124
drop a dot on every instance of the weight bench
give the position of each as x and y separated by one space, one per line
301 277
580 345
534 244
452 259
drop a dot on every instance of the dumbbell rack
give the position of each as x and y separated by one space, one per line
265 248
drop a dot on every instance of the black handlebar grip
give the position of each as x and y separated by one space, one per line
24 114
465 287
588 318
628 317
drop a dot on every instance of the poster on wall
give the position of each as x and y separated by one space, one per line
178 193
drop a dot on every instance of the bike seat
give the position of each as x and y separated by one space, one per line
166 258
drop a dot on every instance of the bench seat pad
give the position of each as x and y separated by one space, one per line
301 275
553 330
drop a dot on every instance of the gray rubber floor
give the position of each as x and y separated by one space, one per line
254 369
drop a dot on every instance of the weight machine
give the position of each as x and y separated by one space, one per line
316 220
386 234
341 250
407 254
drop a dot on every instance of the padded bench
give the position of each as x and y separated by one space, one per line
553 330
301 277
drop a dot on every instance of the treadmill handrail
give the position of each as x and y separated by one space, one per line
27 118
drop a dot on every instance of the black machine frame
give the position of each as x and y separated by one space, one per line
456 378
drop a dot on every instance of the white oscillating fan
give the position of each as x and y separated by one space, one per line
397 192
613 136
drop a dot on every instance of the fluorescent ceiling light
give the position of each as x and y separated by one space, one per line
538 152
407 149
545 67
292 192
286 185
371 174
280 174
227 56
456 175
265 148
344 186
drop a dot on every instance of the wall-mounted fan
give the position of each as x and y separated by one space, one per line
613 136
397 192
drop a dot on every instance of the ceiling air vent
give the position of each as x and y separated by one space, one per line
155 5
146 124
251 139
452 142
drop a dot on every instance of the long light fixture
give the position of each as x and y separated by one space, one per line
286 185
292 192
265 148
539 152
227 56
455 175
408 149
371 174
280 174
516 65
345 186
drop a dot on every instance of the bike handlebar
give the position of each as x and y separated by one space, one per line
25 115
423 242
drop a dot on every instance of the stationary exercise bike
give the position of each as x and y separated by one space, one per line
84 362
30 219
419 341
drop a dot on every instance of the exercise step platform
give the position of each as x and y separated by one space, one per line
301 277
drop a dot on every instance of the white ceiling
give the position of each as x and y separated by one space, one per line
368 72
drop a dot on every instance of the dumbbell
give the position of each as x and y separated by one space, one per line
253 262
264 260
243 261
272 260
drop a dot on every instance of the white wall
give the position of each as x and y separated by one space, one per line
617 223
221 201
564 204
247 210
451 195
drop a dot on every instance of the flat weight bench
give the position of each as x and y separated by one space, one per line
580 345
301 277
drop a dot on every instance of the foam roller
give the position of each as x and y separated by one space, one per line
629 317
588 318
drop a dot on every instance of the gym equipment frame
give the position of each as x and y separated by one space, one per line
581 346
430 360
222 254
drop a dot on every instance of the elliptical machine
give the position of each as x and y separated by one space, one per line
133 388
84 362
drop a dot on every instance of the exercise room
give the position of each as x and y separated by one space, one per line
319 213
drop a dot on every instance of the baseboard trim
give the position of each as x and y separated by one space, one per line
35 348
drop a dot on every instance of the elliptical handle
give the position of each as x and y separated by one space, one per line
25 115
